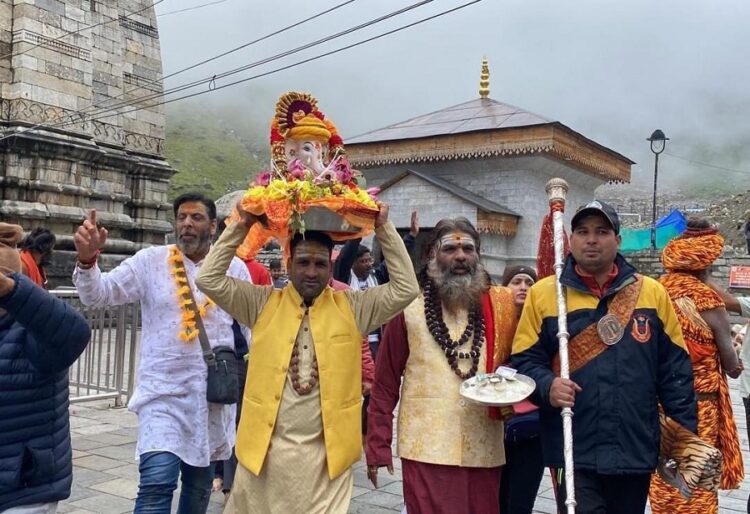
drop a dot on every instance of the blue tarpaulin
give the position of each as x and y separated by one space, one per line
667 228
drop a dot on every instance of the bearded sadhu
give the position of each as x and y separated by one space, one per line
451 450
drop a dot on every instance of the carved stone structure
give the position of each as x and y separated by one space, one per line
70 74
487 161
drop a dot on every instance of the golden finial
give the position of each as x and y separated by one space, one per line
484 79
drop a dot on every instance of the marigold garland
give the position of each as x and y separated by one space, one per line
189 330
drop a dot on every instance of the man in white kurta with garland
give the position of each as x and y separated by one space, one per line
178 430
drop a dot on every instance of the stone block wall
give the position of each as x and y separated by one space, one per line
431 202
72 82
514 182
650 265
74 144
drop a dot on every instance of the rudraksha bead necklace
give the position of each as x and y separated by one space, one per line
294 373
433 311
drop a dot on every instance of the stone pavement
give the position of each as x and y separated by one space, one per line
105 476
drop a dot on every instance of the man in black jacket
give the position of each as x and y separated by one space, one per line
627 357
40 337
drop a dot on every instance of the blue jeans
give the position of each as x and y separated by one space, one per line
159 472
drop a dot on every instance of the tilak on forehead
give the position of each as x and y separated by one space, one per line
456 238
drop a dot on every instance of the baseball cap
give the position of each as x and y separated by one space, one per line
600 208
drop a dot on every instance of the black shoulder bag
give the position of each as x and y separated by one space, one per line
223 383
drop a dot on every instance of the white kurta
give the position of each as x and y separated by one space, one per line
170 394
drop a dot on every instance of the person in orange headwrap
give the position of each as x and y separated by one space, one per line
705 327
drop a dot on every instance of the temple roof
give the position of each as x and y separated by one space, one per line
485 128
474 115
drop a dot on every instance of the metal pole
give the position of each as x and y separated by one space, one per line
653 216
557 190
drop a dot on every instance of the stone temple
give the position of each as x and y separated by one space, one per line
488 161
70 74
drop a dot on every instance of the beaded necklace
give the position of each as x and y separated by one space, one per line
189 331
302 389
433 311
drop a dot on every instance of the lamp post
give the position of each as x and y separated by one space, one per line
658 143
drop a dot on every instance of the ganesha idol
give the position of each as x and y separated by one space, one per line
310 185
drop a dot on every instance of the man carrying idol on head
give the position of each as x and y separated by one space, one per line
300 430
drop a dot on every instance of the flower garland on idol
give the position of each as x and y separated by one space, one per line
309 169
189 330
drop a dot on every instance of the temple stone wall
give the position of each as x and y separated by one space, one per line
516 183
66 103
650 265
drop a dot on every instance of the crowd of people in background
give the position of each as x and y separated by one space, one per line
366 335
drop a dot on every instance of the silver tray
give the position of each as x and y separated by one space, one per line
325 220
469 387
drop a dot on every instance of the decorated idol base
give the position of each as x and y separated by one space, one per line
500 389
325 220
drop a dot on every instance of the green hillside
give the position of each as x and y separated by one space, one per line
212 151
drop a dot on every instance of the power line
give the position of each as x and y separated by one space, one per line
258 40
707 165
211 81
83 112
201 63
245 45
299 63
194 8
87 27
114 106
282 68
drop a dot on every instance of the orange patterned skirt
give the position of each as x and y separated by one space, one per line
716 426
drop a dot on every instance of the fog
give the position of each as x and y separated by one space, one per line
613 71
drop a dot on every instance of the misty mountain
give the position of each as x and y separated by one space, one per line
214 148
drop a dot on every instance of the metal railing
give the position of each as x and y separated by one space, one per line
106 368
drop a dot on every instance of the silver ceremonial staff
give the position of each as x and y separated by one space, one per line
556 189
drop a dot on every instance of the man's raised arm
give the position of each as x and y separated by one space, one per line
377 305
241 299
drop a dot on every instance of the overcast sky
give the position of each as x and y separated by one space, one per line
612 70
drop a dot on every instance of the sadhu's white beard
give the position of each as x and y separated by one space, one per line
458 291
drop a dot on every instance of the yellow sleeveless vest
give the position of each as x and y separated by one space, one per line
338 348
435 425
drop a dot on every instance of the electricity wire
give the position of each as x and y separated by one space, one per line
304 61
98 116
81 114
194 8
707 165
211 80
